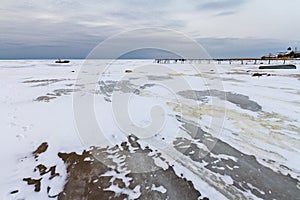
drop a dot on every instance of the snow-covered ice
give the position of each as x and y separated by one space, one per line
213 129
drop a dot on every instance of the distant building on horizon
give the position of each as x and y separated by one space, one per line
288 54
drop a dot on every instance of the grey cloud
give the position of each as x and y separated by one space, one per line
221 4
77 26
221 14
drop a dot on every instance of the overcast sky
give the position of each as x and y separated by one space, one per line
72 28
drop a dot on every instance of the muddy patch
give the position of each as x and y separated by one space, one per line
238 72
41 149
239 100
233 80
258 74
158 78
297 76
60 92
107 88
42 171
44 82
44 98
56 93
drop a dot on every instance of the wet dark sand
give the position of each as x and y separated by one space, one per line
87 178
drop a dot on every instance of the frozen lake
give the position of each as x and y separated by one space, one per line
135 129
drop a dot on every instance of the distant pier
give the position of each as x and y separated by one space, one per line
221 60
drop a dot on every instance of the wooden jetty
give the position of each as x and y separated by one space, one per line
220 60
